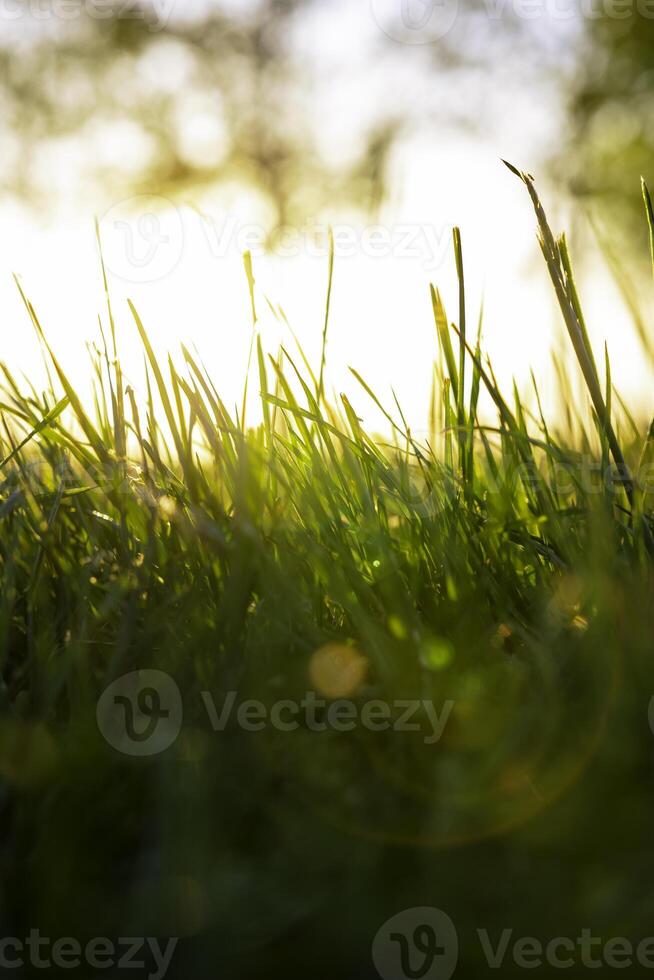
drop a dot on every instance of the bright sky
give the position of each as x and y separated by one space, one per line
182 264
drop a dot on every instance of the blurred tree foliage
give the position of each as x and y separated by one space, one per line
117 96
612 111
133 104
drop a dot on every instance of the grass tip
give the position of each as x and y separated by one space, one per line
524 176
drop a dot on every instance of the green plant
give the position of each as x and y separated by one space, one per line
168 534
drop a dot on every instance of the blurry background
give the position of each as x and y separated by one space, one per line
196 129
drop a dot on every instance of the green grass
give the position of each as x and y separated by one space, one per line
487 564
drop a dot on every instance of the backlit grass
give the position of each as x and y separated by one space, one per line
502 566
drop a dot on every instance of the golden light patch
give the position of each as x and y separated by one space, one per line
337 671
564 605
167 507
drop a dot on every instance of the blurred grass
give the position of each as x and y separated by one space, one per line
488 565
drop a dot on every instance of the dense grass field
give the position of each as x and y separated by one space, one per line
488 588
